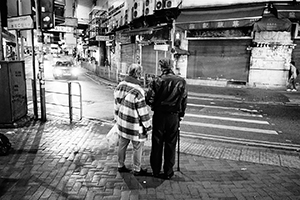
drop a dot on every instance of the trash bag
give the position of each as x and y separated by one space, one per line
103 144
112 136
110 140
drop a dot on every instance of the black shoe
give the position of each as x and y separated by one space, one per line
123 169
159 175
168 176
142 172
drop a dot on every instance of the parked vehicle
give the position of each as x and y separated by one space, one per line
65 69
54 49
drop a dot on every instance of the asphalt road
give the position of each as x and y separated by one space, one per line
227 114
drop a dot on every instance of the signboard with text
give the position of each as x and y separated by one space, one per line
20 23
161 47
69 21
64 29
102 38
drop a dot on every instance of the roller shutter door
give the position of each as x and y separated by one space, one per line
149 58
226 59
127 53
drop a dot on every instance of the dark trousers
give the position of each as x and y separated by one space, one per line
164 138
292 83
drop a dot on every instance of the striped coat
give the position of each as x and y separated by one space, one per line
131 111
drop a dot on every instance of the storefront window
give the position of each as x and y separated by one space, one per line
295 30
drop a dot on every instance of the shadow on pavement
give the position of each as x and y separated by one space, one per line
140 182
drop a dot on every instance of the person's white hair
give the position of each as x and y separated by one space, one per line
135 70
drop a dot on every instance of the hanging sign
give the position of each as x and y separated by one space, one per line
102 38
161 47
63 29
20 23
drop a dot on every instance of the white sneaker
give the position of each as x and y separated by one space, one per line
294 90
288 90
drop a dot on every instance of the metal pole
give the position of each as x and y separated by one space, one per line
70 101
41 66
178 150
17 34
1 43
21 48
156 62
34 93
172 38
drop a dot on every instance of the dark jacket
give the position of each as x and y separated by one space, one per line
167 93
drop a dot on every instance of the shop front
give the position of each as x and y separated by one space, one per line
9 45
217 39
271 53
292 12
143 49
125 43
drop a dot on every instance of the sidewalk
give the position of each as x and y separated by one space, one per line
56 160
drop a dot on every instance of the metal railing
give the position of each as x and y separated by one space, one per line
70 99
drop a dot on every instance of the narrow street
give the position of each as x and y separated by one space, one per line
262 117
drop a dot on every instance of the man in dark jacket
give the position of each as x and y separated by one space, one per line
167 96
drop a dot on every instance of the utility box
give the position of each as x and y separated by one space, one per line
13 98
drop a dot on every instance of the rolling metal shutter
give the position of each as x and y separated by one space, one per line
226 59
128 53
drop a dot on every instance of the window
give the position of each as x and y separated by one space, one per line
295 31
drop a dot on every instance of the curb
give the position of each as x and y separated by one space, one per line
240 141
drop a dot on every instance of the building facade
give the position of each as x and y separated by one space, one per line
249 43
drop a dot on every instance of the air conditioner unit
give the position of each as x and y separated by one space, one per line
149 7
166 4
159 4
172 3
127 16
137 9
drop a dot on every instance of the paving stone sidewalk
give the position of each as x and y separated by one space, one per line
56 160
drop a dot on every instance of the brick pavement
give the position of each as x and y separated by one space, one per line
56 160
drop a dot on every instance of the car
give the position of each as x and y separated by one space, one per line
65 69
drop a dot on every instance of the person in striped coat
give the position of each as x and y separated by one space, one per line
133 119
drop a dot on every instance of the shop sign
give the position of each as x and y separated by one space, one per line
69 21
102 38
19 23
221 24
112 11
63 29
109 43
161 47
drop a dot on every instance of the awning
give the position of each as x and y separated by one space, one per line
226 17
8 36
288 11
143 31
140 31
270 22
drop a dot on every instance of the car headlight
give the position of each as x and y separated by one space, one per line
75 72
57 71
